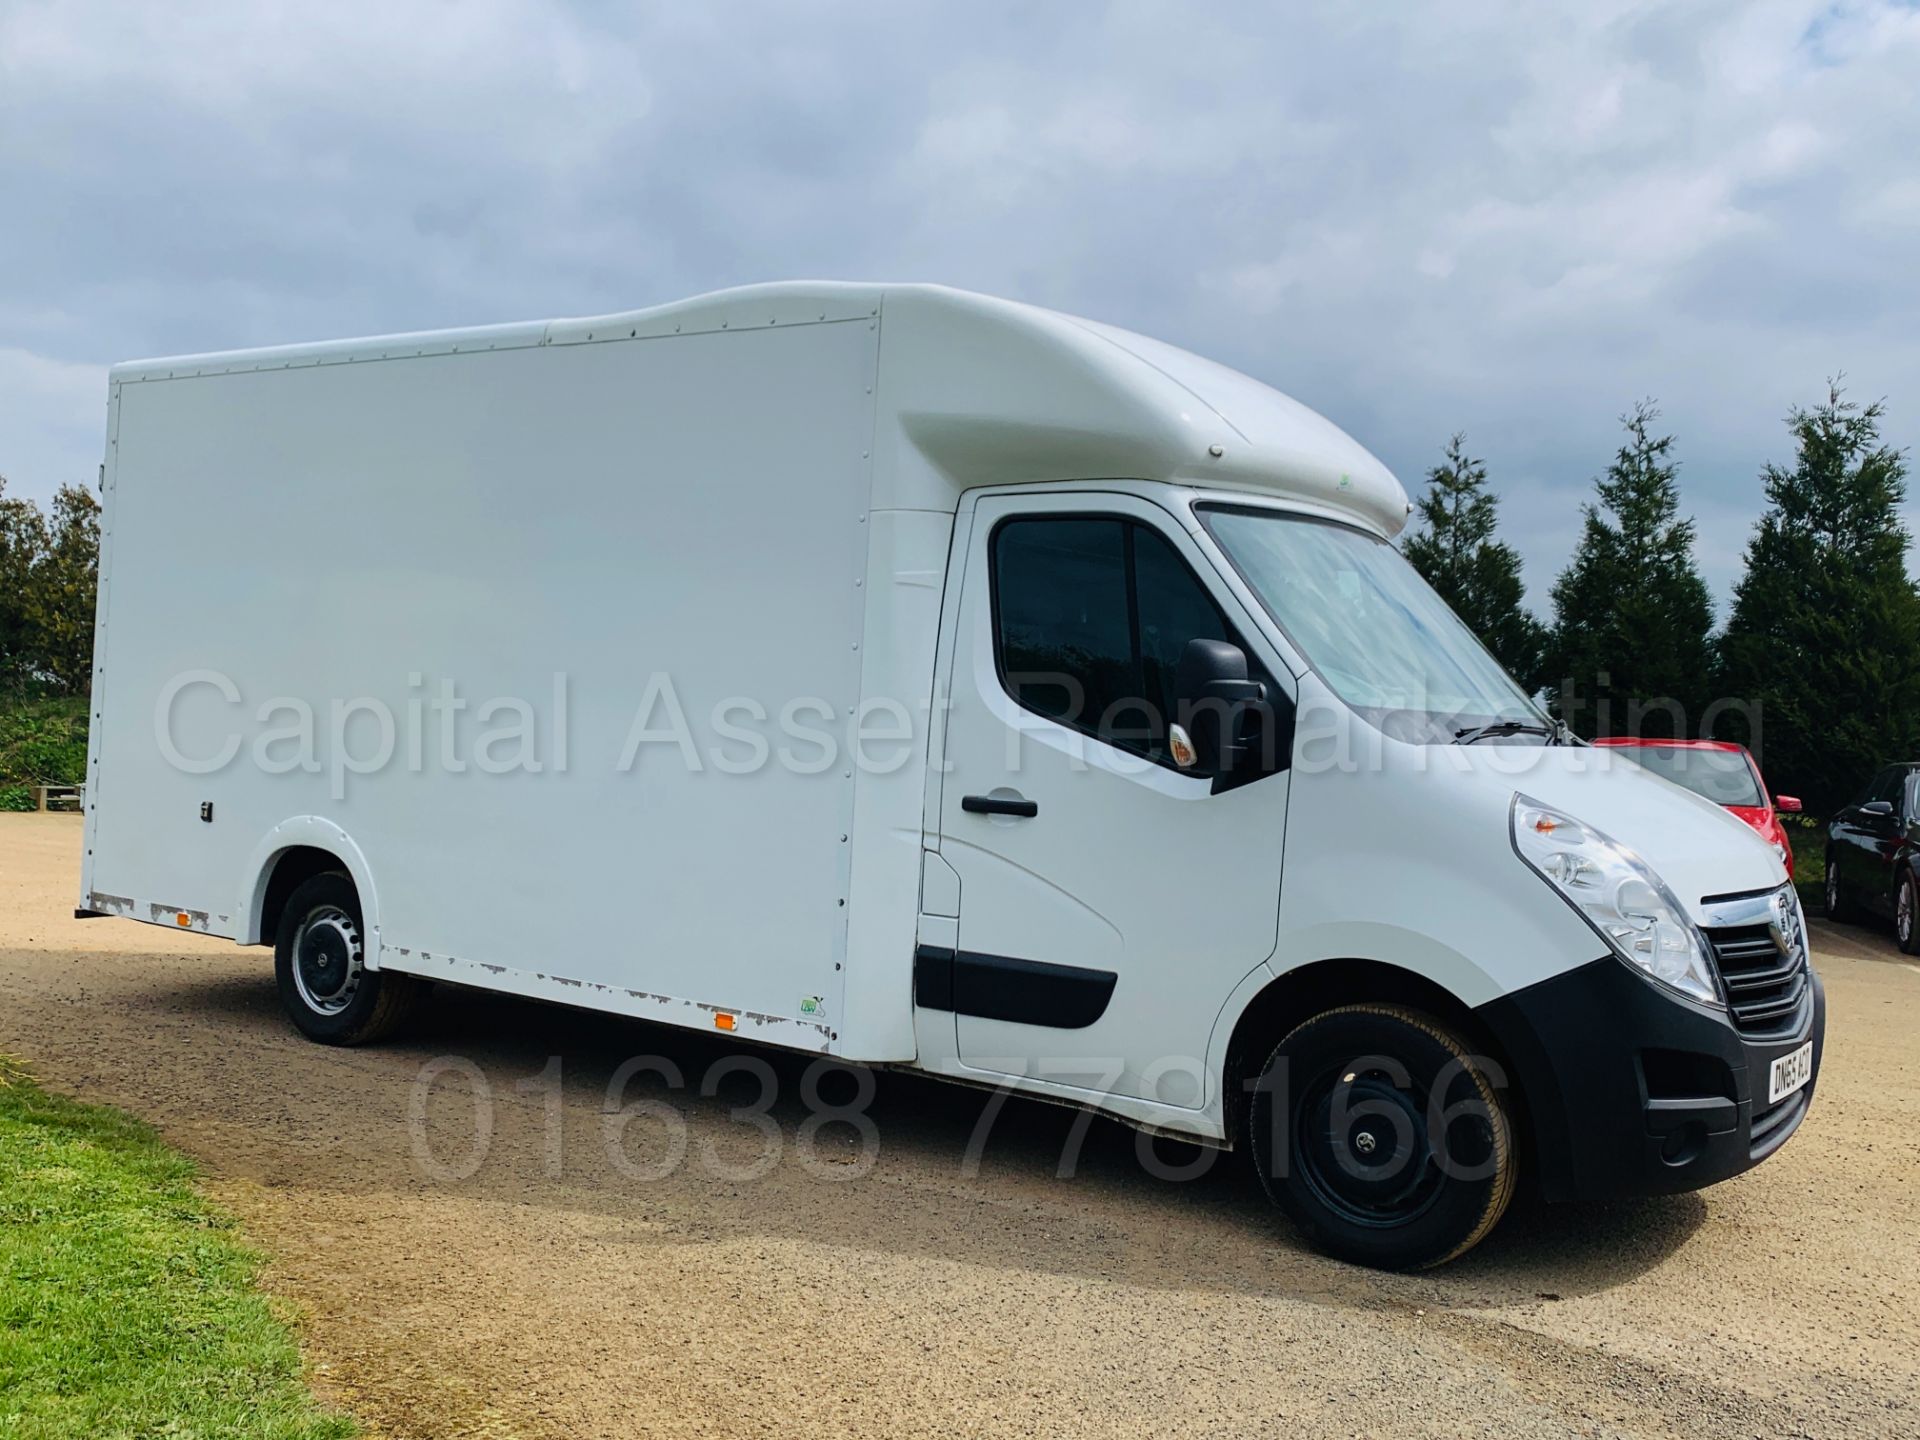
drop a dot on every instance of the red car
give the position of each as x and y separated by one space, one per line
1725 774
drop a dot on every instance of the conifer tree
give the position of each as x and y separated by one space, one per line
1823 645
1630 652
1455 551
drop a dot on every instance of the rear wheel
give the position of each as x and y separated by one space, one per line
1838 904
319 960
1906 914
1383 1137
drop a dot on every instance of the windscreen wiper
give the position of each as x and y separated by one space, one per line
1472 733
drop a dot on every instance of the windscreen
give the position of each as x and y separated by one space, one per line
1723 776
1369 625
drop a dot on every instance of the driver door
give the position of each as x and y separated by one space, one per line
1110 901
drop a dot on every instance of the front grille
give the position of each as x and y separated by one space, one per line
1767 985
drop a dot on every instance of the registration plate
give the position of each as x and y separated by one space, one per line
1789 1073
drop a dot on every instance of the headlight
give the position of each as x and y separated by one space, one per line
1620 897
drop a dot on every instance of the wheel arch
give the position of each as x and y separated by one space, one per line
1907 863
1907 882
1298 994
290 853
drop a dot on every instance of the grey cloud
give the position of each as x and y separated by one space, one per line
1513 219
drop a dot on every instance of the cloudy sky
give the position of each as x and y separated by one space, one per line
1512 219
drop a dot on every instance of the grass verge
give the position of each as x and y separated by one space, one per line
128 1308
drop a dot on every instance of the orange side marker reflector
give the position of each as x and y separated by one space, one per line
183 919
722 1020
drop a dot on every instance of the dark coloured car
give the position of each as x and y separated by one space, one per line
1873 854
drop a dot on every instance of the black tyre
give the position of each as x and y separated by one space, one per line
318 960
1838 904
1382 1136
1906 914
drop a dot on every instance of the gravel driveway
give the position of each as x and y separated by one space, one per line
564 1274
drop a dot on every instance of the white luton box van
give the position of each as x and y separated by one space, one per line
924 680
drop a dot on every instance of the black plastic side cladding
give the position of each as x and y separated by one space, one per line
933 977
1000 987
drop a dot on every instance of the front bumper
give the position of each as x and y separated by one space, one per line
1625 1090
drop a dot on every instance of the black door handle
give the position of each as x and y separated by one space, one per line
995 805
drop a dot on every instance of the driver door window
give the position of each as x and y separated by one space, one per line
1091 616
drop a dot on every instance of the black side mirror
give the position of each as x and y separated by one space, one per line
1877 807
1213 697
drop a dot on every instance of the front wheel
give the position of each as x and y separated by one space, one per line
319 960
1906 914
1383 1137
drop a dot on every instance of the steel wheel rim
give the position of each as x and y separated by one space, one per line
1397 1183
1833 889
328 960
1903 912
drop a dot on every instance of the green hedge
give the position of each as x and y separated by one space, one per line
43 741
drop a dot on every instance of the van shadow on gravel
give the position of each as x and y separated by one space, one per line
1116 1215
